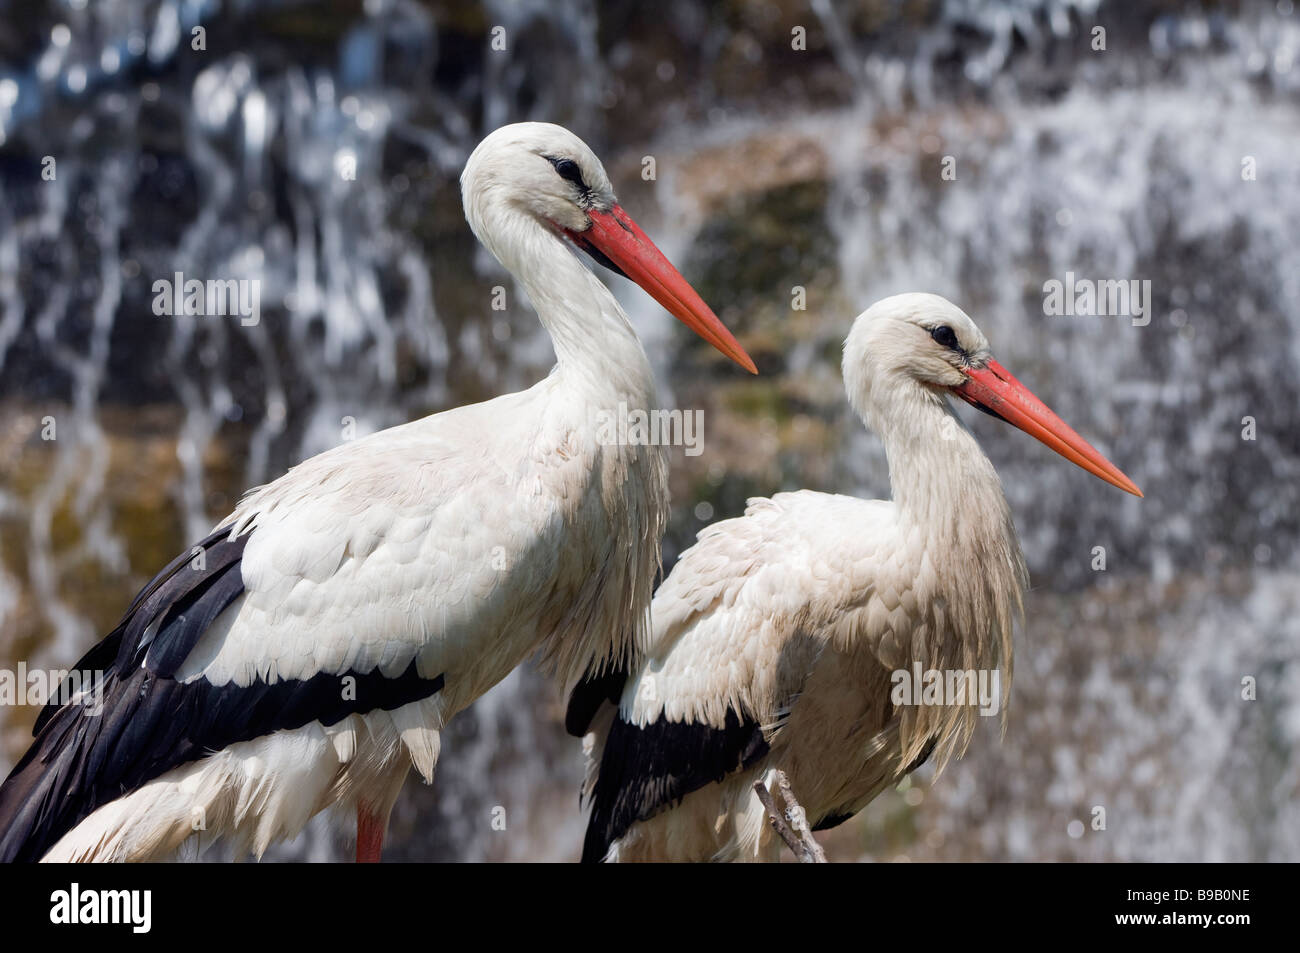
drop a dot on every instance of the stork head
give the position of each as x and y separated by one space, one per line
542 172
926 346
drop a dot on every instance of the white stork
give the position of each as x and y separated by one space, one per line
776 637
343 613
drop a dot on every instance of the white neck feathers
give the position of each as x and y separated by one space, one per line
596 349
965 567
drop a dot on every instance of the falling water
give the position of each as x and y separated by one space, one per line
316 149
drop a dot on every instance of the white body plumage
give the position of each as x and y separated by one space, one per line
465 542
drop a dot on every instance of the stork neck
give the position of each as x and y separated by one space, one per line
596 349
965 565
941 479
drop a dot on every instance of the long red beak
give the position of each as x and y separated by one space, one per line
992 388
614 239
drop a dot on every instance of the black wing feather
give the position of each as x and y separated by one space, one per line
588 696
646 770
147 722
102 653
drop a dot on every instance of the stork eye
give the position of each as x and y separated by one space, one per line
944 335
568 169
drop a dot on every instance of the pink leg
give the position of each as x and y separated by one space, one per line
370 836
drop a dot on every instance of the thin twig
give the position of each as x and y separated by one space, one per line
797 837
795 811
778 820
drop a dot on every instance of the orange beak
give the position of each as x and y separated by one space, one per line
992 389
617 242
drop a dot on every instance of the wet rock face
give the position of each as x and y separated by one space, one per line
959 149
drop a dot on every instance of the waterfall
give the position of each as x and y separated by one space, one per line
975 150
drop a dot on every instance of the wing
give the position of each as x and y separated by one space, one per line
341 588
738 625
746 611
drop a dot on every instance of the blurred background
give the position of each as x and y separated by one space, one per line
317 146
